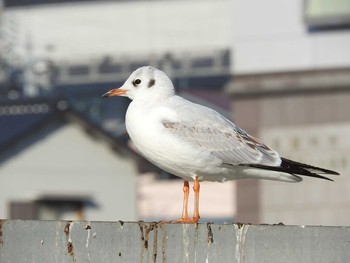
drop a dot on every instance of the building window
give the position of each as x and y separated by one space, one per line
326 14
51 208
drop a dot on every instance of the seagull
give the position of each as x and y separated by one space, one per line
195 142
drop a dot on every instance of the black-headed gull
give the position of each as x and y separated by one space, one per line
195 142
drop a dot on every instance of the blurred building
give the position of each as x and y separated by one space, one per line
289 60
57 164
291 87
77 50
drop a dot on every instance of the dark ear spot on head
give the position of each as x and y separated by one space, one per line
151 83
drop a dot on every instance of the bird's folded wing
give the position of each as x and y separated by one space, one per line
224 140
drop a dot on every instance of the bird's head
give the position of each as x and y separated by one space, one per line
145 82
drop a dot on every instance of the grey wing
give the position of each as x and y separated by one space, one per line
226 141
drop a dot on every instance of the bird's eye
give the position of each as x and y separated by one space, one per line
137 81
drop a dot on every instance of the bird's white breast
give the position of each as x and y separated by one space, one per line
157 144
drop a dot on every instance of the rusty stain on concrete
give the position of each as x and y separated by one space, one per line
144 242
145 229
164 243
155 242
66 229
210 235
1 234
70 248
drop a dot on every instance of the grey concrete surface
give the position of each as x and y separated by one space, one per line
79 241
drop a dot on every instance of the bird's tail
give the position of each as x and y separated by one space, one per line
295 168
306 169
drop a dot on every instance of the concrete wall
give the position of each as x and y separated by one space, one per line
61 241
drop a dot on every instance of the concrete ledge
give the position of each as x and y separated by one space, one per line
79 241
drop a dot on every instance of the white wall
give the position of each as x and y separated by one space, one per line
104 28
270 36
68 161
265 36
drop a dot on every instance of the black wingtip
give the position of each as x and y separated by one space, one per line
296 168
332 172
310 168
321 177
306 169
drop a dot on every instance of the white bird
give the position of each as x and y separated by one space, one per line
195 142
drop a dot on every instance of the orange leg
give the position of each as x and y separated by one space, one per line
186 190
196 188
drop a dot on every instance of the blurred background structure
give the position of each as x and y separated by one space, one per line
291 88
280 68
